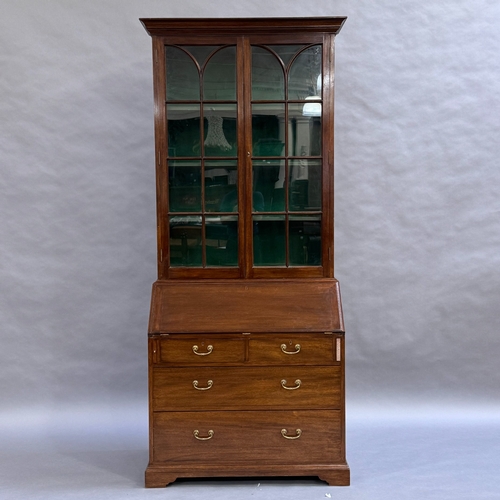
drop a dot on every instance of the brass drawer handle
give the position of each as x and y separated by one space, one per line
210 348
298 433
297 349
210 383
196 434
298 382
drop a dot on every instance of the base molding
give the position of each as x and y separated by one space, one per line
159 476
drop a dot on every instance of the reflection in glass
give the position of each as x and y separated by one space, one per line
268 193
221 237
305 240
183 81
221 190
304 132
220 130
286 52
312 107
219 77
304 185
268 129
183 122
268 82
305 75
184 186
269 240
185 241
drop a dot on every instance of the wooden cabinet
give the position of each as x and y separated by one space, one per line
246 336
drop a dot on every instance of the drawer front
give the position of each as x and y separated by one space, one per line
294 349
277 437
201 350
220 388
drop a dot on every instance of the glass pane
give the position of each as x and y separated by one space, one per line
185 241
221 190
268 134
305 75
200 52
184 186
219 77
305 185
269 240
268 82
267 181
220 130
286 52
304 131
305 240
183 122
183 80
221 236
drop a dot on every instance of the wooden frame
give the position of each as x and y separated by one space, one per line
254 347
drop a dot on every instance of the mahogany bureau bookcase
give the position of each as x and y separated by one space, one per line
246 336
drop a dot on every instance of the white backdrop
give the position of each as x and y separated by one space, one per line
417 203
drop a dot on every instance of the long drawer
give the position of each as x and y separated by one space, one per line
248 387
273 437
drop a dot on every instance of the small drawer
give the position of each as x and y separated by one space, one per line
199 350
218 388
248 437
295 349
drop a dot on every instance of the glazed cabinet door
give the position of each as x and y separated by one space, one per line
244 152
289 172
201 207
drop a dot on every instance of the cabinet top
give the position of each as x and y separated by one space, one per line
242 26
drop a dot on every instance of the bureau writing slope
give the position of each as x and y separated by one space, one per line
246 337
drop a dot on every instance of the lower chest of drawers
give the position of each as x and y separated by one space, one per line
246 399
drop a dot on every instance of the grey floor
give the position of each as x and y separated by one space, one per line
89 456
